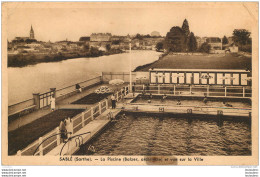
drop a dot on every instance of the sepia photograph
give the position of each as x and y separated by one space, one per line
130 83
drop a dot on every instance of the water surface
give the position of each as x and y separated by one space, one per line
168 135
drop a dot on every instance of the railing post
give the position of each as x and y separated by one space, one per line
82 119
19 153
40 147
58 136
190 89
243 91
125 90
116 96
208 90
173 89
36 97
99 106
106 103
143 86
225 91
92 113
158 89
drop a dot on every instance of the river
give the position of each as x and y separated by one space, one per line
39 78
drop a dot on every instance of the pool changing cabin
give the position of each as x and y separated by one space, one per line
200 77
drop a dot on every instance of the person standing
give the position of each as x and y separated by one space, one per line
113 99
52 103
69 126
205 100
78 88
63 131
133 89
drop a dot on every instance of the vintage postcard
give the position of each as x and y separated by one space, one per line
130 83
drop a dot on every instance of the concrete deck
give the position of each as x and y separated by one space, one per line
94 127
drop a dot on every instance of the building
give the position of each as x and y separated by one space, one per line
155 34
31 33
100 40
100 37
29 39
215 43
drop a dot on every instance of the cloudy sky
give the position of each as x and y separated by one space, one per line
58 22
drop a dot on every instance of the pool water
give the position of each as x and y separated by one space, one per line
154 134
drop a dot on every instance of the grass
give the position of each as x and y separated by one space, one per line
92 98
228 61
22 137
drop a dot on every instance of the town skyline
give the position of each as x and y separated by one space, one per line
60 24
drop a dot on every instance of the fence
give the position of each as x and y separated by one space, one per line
41 100
78 122
188 90
125 76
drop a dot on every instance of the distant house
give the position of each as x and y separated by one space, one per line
100 37
100 40
84 40
215 43
233 48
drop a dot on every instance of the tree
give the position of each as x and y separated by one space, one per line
138 36
241 36
205 47
159 46
192 42
224 40
185 27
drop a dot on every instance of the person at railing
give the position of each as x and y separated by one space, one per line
52 100
78 88
69 126
164 97
133 89
179 102
63 131
205 100
113 100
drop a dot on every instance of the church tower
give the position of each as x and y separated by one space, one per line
31 33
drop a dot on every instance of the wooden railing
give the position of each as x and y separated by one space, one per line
186 90
78 122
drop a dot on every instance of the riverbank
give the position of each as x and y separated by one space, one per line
209 61
21 60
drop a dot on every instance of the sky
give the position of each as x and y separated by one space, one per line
56 23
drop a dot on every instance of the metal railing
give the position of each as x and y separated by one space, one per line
44 98
188 90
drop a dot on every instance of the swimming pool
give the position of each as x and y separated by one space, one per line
189 101
166 134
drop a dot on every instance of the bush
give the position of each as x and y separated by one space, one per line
246 48
205 48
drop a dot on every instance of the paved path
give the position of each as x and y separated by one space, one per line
26 119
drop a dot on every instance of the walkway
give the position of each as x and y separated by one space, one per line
62 104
